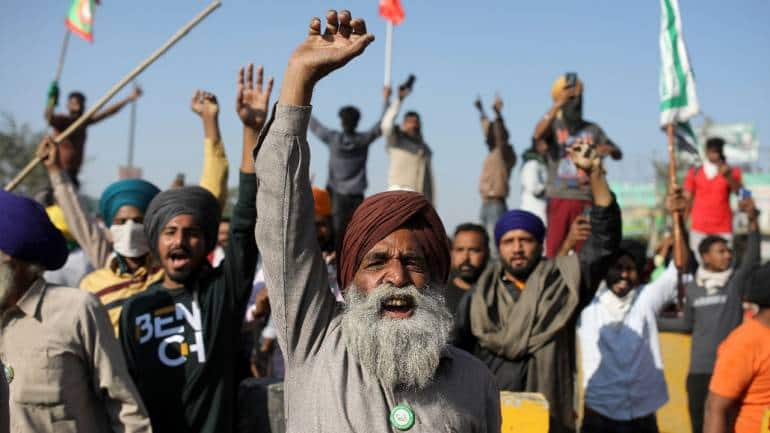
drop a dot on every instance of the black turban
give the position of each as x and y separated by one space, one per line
188 200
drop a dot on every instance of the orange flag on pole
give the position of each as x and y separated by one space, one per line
392 11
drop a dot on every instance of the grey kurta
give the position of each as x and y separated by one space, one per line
326 389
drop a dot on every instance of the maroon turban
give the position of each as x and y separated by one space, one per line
382 214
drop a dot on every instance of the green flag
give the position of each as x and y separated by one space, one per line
81 18
678 101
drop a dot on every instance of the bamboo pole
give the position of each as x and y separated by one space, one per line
116 88
681 253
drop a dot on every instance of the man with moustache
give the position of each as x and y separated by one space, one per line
181 335
470 252
521 314
618 334
381 362
60 359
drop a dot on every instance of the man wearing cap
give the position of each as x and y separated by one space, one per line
348 152
568 188
62 363
121 253
180 336
739 393
382 362
522 311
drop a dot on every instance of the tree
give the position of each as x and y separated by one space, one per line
17 147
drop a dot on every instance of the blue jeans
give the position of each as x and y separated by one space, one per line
491 211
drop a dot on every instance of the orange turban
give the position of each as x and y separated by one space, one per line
561 83
323 203
382 214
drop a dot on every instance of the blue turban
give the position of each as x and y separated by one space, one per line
518 219
132 192
27 234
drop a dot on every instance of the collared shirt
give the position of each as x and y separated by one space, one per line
622 366
69 374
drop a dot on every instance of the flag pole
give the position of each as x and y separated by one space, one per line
681 254
62 53
388 51
116 88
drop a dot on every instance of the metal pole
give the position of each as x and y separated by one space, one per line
388 52
62 53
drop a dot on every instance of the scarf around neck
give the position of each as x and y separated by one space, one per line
710 169
514 329
712 281
617 307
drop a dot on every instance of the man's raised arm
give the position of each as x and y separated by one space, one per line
295 272
114 108
215 165
605 219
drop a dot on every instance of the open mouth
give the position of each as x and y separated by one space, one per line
398 306
179 258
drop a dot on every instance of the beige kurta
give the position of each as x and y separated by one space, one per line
326 389
68 370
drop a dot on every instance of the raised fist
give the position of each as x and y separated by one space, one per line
204 104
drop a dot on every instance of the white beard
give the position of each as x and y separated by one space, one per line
399 352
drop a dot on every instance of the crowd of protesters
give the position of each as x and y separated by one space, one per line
367 313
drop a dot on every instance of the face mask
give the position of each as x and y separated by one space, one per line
129 240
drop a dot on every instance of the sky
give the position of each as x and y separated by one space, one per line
457 49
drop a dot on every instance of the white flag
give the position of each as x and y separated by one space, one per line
678 101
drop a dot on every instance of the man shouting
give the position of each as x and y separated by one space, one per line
382 363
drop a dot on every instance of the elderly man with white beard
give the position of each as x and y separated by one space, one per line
381 363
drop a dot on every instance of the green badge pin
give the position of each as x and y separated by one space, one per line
8 373
402 417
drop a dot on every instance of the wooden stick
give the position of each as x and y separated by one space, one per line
681 254
116 88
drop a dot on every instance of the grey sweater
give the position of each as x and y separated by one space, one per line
710 318
326 389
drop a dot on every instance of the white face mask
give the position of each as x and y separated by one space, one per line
129 240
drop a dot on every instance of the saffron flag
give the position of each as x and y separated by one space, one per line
80 19
678 101
392 11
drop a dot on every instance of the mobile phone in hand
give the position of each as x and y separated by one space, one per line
571 78
409 83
